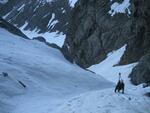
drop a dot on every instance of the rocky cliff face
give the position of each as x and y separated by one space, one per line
141 73
40 15
140 43
94 32
140 46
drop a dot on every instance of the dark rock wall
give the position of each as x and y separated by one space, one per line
141 73
93 32
141 44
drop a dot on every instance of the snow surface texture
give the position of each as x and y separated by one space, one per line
49 78
56 86
72 2
3 1
120 8
106 101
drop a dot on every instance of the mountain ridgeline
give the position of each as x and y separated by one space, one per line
92 28
40 15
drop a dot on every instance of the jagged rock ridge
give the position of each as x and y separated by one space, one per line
39 15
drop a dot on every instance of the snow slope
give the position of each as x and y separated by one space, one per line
50 79
53 85
106 101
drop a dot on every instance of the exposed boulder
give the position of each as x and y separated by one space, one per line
141 73
40 38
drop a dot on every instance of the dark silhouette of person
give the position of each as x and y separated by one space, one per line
120 85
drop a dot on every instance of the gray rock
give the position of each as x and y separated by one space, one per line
139 46
93 32
40 38
6 25
37 13
141 73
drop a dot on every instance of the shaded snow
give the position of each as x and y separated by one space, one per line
120 7
48 0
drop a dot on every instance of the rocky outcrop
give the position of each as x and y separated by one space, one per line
93 32
141 43
141 73
6 25
39 15
40 38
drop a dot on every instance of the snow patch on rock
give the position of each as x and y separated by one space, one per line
3 1
120 8
51 37
72 2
